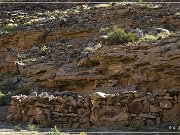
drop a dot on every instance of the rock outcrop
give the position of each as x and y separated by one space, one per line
86 25
148 66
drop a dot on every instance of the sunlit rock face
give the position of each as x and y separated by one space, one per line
147 66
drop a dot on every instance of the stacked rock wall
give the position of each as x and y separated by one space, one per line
67 110
73 110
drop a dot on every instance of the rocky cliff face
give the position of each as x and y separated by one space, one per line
63 51
143 67
71 66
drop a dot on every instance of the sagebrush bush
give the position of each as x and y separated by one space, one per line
1 94
148 37
44 51
32 127
5 97
10 86
153 37
17 128
2 58
119 36
54 131
21 57
24 89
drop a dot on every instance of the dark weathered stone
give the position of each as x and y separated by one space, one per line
135 107
172 114
150 123
155 109
137 123
144 115
146 106
165 104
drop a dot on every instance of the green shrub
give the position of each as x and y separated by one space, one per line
177 122
1 86
83 133
21 57
11 25
2 58
148 37
163 35
54 131
89 49
1 94
153 37
44 51
137 0
25 90
17 128
134 1
177 13
5 99
119 36
32 127
10 86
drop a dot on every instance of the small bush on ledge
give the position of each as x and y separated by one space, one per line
119 36
44 51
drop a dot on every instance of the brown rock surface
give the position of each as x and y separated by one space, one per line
135 107
165 104
146 65
137 122
155 109
146 106
109 115
172 114
150 123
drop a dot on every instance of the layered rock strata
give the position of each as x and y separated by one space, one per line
147 66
